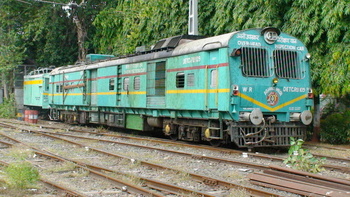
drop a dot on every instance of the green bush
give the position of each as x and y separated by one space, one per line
21 175
7 108
335 129
302 159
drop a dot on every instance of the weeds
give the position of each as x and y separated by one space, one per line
20 153
8 108
21 175
302 159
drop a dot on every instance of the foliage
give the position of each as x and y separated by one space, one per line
11 53
118 27
322 26
7 108
21 175
334 104
134 23
302 159
335 129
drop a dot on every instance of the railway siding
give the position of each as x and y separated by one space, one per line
134 153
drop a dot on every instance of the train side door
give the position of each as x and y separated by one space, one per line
156 84
93 92
213 80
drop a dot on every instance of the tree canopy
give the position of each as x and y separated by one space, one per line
49 35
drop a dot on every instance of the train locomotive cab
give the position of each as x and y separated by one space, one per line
271 93
256 90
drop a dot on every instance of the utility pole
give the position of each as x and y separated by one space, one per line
193 18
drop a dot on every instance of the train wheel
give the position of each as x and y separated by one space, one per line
173 137
216 143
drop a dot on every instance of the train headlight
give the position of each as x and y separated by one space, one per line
275 81
236 52
271 34
307 57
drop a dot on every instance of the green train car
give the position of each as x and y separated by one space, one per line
36 89
251 88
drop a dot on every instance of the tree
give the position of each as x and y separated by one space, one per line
11 49
120 29
11 55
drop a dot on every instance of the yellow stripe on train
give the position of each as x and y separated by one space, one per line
268 107
33 82
197 91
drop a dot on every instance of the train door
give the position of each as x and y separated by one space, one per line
156 84
52 88
93 82
46 92
213 80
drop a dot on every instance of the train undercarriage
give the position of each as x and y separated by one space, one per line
217 132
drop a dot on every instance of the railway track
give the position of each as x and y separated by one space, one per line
302 183
150 183
131 188
203 179
345 168
65 191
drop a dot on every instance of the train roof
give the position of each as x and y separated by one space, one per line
169 47
172 46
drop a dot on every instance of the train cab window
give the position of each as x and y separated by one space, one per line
190 79
126 84
180 80
213 78
136 83
111 84
287 64
254 62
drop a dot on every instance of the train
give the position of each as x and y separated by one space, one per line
250 88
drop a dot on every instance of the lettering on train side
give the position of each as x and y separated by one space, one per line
248 43
294 89
134 68
190 60
279 91
247 89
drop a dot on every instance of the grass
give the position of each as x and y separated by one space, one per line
20 153
234 176
331 152
64 167
101 129
21 175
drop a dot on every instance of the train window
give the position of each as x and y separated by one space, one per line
254 62
111 84
61 88
286 64
47 85
57 88
190 79
180 80
213 78
126 84
136 83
